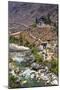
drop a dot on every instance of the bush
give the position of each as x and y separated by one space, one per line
54 66
34 25
12 82
38 57
34 50
13 39
47 19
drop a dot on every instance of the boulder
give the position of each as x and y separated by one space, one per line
15 47
54 82
35 66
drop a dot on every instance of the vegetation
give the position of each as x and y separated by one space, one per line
12 82
32 67
54 66
46 19
13 39
34 24
38 57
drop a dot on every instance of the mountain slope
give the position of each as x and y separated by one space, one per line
22 12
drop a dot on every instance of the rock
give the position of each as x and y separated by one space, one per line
23 57
54 76
45 77
11 66
13 73
15 47
54 82
32 76
19 59
46 68
35 66
29 59
28 53
28 73
41 71
37 75
23 82
17 71
40 48
24 67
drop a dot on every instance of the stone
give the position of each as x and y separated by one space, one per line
32 76
35 66
15 47
46 69
13 73
23 82
28 73
54 82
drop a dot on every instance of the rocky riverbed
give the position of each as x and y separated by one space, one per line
27 72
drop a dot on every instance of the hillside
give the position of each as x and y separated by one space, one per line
21 15
37 35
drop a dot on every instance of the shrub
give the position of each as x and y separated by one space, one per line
47 19
34 25
12 82
38 57
34 50
12 39
54 66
